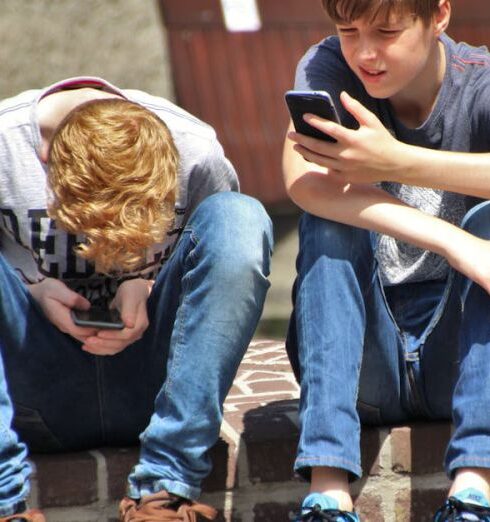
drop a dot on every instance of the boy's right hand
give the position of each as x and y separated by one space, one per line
56 301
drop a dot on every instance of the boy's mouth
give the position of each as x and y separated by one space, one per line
371 74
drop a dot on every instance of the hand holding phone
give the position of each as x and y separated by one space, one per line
95 317
315 102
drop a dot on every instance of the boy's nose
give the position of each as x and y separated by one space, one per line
367 54
367 51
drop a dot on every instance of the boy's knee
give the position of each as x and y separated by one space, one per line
333 239
237 207
235 218
236 231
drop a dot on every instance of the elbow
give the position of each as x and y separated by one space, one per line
298 193
317 193
298 187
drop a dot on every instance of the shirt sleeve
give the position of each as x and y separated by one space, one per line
480 114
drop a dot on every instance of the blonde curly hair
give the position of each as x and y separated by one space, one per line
112 169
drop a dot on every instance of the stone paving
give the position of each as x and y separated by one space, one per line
260 427
264 379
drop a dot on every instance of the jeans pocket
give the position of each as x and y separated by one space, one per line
369 415
31 428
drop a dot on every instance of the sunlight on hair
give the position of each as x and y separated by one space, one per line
346 11
112 170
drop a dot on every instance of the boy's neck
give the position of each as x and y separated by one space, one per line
54 108
415 103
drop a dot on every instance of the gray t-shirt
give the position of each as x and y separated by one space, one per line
29 239
460 121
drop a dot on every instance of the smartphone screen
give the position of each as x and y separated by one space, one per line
314 102
103 318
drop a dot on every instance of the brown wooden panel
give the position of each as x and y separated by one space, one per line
471 33
236 81
207 13
477 11
470 21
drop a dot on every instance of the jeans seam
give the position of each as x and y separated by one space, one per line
181 320
100 394
467 462
441 307
328 460
472 459
359 365
308 367
324 457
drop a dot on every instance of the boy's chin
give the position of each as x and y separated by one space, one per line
379 92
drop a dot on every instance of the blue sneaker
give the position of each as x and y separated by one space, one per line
469 505
322 508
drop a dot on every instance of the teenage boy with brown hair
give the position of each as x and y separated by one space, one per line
391 304
117 198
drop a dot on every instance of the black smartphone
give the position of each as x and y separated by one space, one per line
95 317
315 102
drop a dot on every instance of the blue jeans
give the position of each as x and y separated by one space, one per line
169 386
370 354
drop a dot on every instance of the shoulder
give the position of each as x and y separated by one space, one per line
196 141
468 71
17 109
324 67
467 64
465 54
19 133
176 118
326 49
325 54
192 136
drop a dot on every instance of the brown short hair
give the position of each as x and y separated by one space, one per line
112 169
348 10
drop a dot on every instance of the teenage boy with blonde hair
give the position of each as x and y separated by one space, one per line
390 319
120 199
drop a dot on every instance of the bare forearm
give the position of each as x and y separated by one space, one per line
368 207
327 195
464 173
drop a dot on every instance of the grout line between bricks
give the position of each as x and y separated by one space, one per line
385 452
81 514
228 430
33 498
102 477
228 505
247 497
388 498
241 456
432 481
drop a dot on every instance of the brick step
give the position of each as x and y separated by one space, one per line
252 478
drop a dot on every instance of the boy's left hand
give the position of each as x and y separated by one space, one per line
369 154
131 298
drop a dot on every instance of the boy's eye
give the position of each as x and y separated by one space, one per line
346 31
389 32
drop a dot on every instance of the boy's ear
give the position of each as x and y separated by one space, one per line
442 16
44 152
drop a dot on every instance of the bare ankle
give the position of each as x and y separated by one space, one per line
478 478
333 482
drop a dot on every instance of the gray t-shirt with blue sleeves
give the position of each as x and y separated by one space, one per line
30 240
460 121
